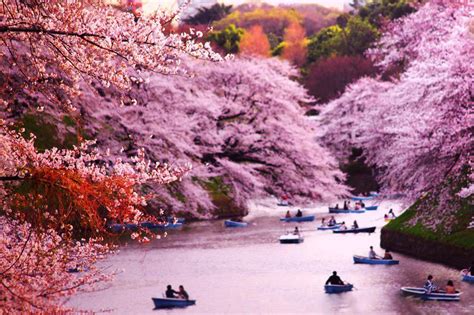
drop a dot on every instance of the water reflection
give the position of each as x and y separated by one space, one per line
247 271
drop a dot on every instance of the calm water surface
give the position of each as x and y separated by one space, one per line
246 270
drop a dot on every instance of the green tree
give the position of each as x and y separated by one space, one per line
360 35
376 11
228 39
325 43
207 15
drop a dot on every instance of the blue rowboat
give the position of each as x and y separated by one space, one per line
329 227
374 194
357 198
163 226
172 303
371 208
367 260
338 288
466 276
433 296
306 218
334 210
357 211
230 223
172 219
359 230
291 239
119 228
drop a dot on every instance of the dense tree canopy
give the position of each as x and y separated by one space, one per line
416 128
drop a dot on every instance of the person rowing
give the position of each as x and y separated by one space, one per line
373 254
429 286
334 279
170 293
355 225
343 226
332 221
299 214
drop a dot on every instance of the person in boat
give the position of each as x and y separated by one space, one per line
337 206
392 213
429 286
323 222
372 253
182 293
332 221
450 287
357 206
385 216
355 225
334 279
288 215
299 214
170 293
387 255
343 226
362 204
296 231
346 207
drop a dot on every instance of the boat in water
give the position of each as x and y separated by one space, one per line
338 288
362 198
329 227
465 276
160 226
336 210
306 218
171 303
230 223
432 296
291 238
369 261
371 208
359 230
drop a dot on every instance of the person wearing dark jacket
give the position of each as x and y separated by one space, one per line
334 279
170 293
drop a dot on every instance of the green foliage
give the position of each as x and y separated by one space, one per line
428 205
221 195
207 15
69 121
359 35
47 133
376 11
352 36
278 50
325 43
228 39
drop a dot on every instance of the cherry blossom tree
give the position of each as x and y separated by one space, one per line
417 127
51 46
242 123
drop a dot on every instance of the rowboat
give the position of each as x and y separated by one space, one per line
338 288
359 230
163 226
357 211
433 296
230 223
357 198
367 260
119 228
329 227
466 276
371 208
176 220
283 203
291 239
171 303
337 210
306 218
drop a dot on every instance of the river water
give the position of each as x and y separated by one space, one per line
246 270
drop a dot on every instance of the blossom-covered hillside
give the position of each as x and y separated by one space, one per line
240 124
